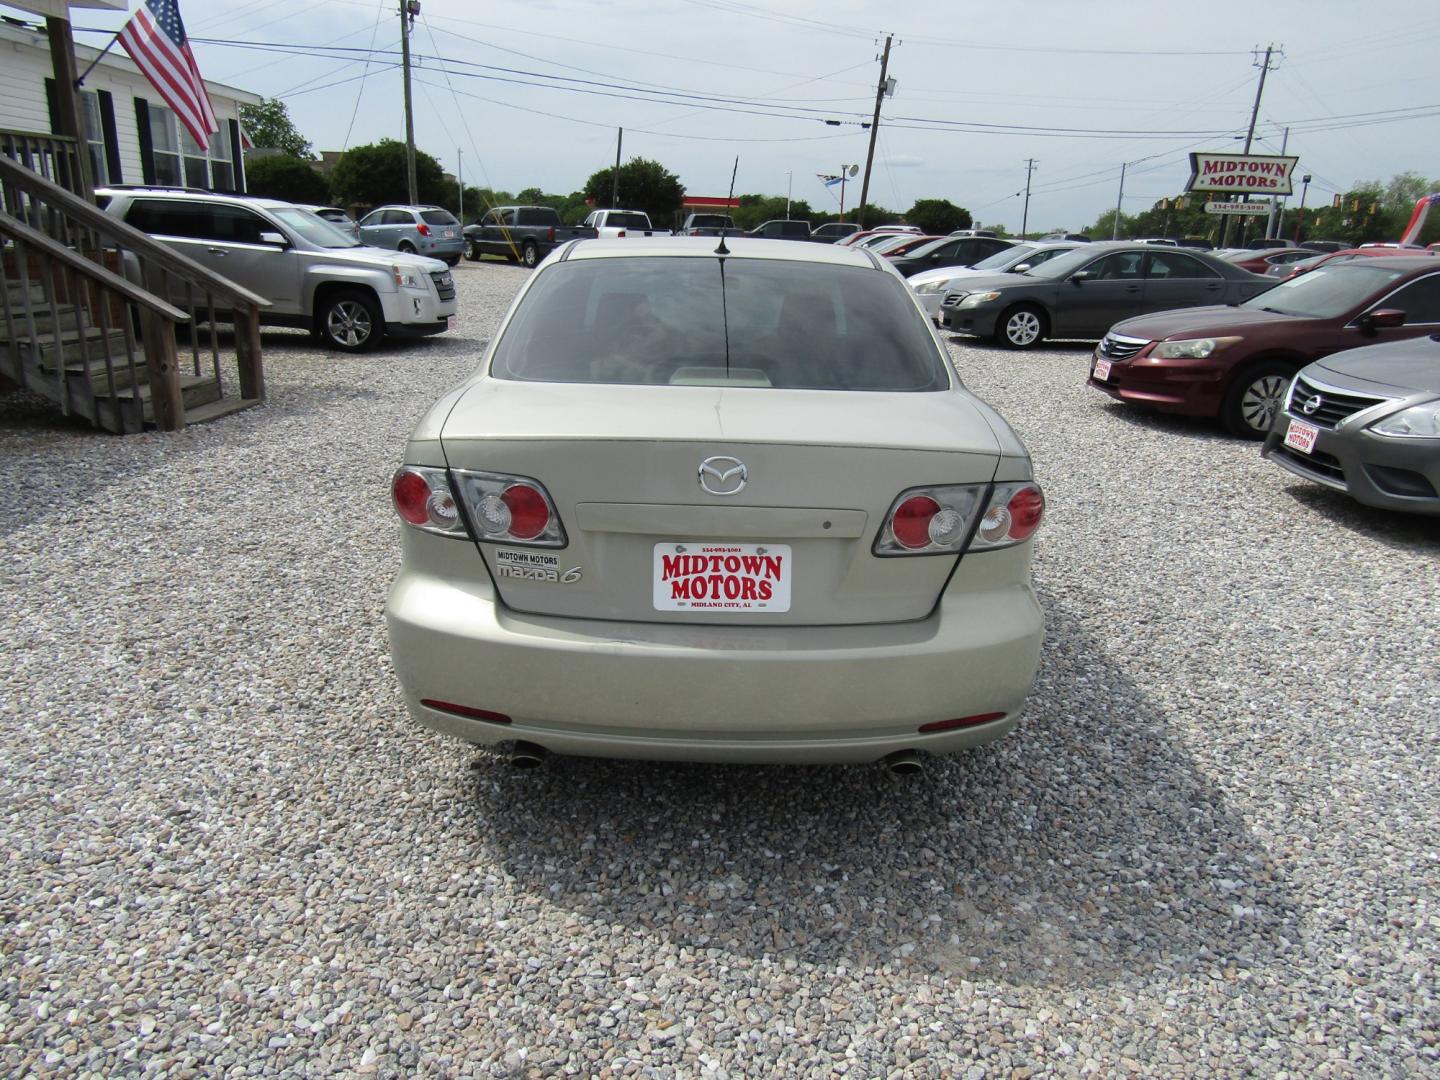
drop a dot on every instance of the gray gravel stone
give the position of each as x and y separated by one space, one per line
1207 851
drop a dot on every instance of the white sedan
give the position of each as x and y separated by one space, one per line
716 500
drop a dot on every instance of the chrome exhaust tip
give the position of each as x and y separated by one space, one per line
905 763
524 755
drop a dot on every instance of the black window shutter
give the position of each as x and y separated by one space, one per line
237 155
53 104
112 137
147 148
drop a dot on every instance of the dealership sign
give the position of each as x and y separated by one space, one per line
1268 174
1237 208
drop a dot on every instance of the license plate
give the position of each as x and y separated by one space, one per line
1102 370
1301 436
450 322
722 578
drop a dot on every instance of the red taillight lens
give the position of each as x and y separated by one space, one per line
411 494
620 233
1026 508
423 229
911 524
1014 513
550 235
529 513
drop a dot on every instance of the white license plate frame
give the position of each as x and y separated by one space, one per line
748 578
1301 436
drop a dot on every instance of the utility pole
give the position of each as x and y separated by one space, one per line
1264 67
880 92
408 10
1276 225
615 179
1025 216
460 181
789 179
1115 231
1300 218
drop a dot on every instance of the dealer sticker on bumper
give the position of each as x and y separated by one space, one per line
1301 436
722 577
1102 370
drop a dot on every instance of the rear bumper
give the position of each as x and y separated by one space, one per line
715 692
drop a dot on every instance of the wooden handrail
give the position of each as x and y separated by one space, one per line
13 226
91 216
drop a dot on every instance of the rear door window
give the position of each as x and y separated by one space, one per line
736 322
1170 266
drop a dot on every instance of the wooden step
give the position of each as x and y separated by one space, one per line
195 391
44 319
216 409
15 293
99 378
46 354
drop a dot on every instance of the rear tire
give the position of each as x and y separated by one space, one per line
1255 398
407 247
530 255
349 320
1022 327
471 251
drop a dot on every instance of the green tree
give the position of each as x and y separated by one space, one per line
939 216
279 176
375 174
644 185
269 125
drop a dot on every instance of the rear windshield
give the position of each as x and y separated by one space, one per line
438 217
719 322
627 221
536 215
711 221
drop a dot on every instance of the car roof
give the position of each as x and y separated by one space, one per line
739 247
194 193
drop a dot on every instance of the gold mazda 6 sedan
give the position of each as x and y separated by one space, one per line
716 502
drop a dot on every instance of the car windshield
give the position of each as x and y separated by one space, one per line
315 229
438 217
1064 265
929 246
1326 291
720 322
1001 259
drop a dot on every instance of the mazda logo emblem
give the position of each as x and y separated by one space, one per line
1311 404
723 476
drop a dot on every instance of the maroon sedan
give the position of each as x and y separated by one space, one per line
1260 262
1235 362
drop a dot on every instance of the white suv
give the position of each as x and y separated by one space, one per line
314 275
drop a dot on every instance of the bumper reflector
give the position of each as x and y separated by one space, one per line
466 711
961 722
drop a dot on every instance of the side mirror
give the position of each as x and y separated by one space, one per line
1019 268
278 239
1081 275
1383 319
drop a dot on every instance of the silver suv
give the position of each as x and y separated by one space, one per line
421 230
314 275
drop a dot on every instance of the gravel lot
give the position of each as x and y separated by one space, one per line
1210 850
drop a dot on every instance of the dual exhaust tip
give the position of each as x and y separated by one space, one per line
526 756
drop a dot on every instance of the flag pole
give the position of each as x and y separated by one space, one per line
80 81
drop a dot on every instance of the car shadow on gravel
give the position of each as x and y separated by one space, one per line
1403 532
1197 427
1086 846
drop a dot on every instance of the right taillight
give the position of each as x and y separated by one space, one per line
1012 516
939 520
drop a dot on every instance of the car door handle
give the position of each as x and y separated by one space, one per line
216 251
1132 288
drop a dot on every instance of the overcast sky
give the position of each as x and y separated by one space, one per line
1183 77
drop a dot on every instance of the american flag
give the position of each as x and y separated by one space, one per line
155 39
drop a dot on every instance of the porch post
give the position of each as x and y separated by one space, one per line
67 101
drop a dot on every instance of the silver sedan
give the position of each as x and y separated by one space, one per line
721 501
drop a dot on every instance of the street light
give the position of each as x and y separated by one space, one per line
788 179
1300 217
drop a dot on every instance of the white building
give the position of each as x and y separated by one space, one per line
131 134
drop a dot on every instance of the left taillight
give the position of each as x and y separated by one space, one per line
423 229
423 499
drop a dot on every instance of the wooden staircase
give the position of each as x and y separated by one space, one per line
77 327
